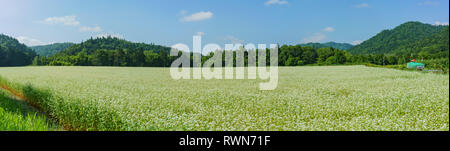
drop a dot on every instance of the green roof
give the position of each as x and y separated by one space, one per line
415 65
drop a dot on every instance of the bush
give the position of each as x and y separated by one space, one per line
60 63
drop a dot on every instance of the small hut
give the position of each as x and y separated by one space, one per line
415 65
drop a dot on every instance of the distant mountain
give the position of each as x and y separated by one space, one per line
49 50
342 46
409 37
13 53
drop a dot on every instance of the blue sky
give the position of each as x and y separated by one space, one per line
168 22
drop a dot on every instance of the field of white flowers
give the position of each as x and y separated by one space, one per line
307 98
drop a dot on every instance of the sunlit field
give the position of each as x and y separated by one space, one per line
307 98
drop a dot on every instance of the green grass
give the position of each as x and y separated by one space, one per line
307 98
16 115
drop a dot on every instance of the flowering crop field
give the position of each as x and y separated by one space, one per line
335 98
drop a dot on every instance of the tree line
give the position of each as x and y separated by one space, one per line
433 50
288 56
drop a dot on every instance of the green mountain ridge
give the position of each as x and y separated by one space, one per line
342 46
400 39
411 40
434 46
51 49
109 43
109 51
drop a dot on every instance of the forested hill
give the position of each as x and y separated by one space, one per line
110 43
397 40
110 51
435 46
51 49
13 53
342 46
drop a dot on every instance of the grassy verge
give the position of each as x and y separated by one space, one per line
16 115
72 114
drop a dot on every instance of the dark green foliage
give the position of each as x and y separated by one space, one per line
434 46
109 51
50 50
426 43
441 64
109 43
412 40
298 56
116 52
342 46
399 39
290 55
13 53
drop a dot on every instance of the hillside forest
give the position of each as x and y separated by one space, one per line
412 40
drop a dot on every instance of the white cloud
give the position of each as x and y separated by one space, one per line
357 42
197 17
29 41
200 33
428 3
71 21
183 12
233 40
329 29
65 20
363 5
316 37
91 29
105 35
276 2
438 23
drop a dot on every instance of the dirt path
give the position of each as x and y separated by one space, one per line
20 97
16 95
